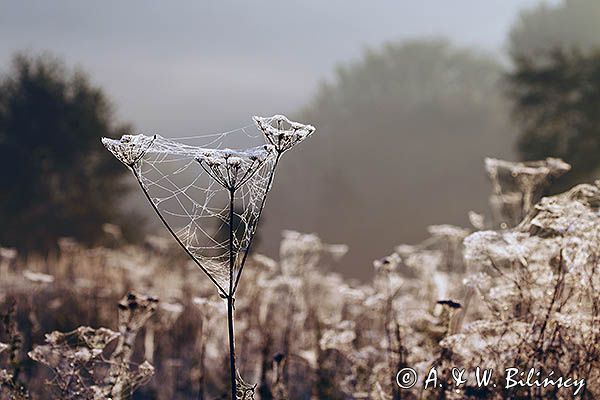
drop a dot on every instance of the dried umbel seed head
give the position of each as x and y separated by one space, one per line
96 338
524 178
130 148
281 132
234 162
82 336
511 175
83 369
233 168
77 347
135 310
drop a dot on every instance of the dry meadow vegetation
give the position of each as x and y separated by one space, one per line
518 288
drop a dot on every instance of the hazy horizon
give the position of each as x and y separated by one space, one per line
173 68
177 70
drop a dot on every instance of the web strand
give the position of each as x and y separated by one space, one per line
192 185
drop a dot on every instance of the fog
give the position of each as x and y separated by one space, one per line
189 68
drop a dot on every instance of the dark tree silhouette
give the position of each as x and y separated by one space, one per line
566 24
556 104
57 179
554 85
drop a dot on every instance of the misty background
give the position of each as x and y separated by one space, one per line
408 98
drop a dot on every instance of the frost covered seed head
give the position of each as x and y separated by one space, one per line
283 133
130 148
233 168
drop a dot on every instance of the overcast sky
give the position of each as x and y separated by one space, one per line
181 68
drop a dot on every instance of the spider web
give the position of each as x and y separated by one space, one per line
82 365
209 196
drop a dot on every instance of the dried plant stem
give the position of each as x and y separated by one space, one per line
230 298
234 284
231 346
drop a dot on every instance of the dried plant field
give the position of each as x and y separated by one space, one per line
517 289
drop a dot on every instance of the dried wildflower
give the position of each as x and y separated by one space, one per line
485 247
247 177
76 360
520 182
134 311
283 133
130 148
232 169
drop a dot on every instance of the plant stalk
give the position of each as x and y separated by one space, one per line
230 299
231 347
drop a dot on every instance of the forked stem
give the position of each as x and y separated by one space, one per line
262 206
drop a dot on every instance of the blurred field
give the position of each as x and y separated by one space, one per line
522 296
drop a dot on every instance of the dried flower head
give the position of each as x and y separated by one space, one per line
76 360
233 168
130 148
134 311
283 133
